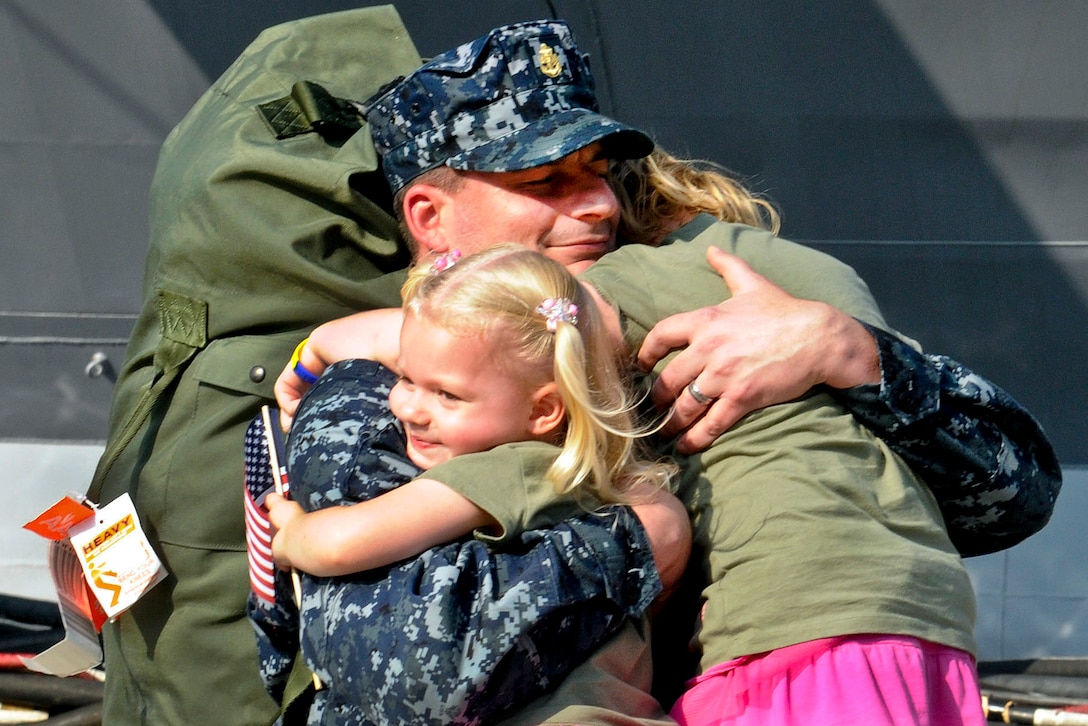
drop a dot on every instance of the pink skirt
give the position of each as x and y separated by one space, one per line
866 679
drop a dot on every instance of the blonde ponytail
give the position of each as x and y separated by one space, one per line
661 192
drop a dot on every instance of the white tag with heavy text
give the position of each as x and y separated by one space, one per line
117 558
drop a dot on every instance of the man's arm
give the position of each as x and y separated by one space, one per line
988 462
986 459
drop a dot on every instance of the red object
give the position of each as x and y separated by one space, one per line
55 522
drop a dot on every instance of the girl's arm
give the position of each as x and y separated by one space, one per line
394 526
373 335
667 525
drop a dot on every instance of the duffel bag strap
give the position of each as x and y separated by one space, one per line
309 107
183 324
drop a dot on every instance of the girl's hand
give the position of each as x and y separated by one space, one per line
394 526
289 389
667 525
302 371
285 517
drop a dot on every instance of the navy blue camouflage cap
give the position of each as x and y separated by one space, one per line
519 97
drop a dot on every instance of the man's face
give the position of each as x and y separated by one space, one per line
565 210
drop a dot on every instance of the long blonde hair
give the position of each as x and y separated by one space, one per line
660 192
498 292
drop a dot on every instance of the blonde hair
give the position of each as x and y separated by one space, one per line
660 193
497 292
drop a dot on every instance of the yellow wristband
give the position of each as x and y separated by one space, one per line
296 365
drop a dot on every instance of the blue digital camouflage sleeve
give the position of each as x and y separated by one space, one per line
984 457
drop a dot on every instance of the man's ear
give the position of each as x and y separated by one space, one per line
425 207
548 412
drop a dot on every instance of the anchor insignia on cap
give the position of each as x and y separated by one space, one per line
549 61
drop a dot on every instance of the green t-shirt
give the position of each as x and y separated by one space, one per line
806 524
613 686
763 527
509 483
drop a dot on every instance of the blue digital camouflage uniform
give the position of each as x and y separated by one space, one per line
986 459
460 634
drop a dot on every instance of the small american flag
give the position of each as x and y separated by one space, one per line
265 471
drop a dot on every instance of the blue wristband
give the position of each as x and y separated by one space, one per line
305 375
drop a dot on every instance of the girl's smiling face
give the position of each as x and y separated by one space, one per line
460 394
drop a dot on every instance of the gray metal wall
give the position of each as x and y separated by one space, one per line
940 148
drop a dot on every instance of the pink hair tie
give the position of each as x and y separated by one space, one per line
556 309
446 261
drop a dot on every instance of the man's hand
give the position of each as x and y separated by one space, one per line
760 347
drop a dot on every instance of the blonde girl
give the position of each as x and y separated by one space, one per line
500 356
503 346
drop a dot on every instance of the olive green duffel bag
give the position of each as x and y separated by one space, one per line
269 215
